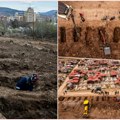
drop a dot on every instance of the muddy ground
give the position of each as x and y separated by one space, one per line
73 108
89 44
19 57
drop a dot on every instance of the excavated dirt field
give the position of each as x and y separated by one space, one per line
101 107
19 57
89 43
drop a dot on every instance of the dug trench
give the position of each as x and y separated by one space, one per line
90 42
24 57
100 107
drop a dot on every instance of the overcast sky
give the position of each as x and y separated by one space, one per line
39 6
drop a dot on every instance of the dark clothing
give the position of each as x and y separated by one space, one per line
25 83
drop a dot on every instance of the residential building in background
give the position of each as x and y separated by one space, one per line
19 16
30 15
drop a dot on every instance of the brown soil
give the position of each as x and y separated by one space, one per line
19 57
101 108
89 43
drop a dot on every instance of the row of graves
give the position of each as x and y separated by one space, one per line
92 73
65 66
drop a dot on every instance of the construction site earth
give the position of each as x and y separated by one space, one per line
21 57
78 78
92 31
98 31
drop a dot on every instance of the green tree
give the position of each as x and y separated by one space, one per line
15 23
45 30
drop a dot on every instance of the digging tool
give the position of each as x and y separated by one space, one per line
104 40
106 47
73 20
82 18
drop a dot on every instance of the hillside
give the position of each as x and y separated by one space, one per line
10 12
49 13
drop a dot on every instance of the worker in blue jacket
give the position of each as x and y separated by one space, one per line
26 82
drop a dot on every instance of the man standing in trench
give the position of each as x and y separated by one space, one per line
26 82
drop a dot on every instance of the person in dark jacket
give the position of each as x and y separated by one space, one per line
26 82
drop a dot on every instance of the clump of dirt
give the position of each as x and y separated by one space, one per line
24 57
